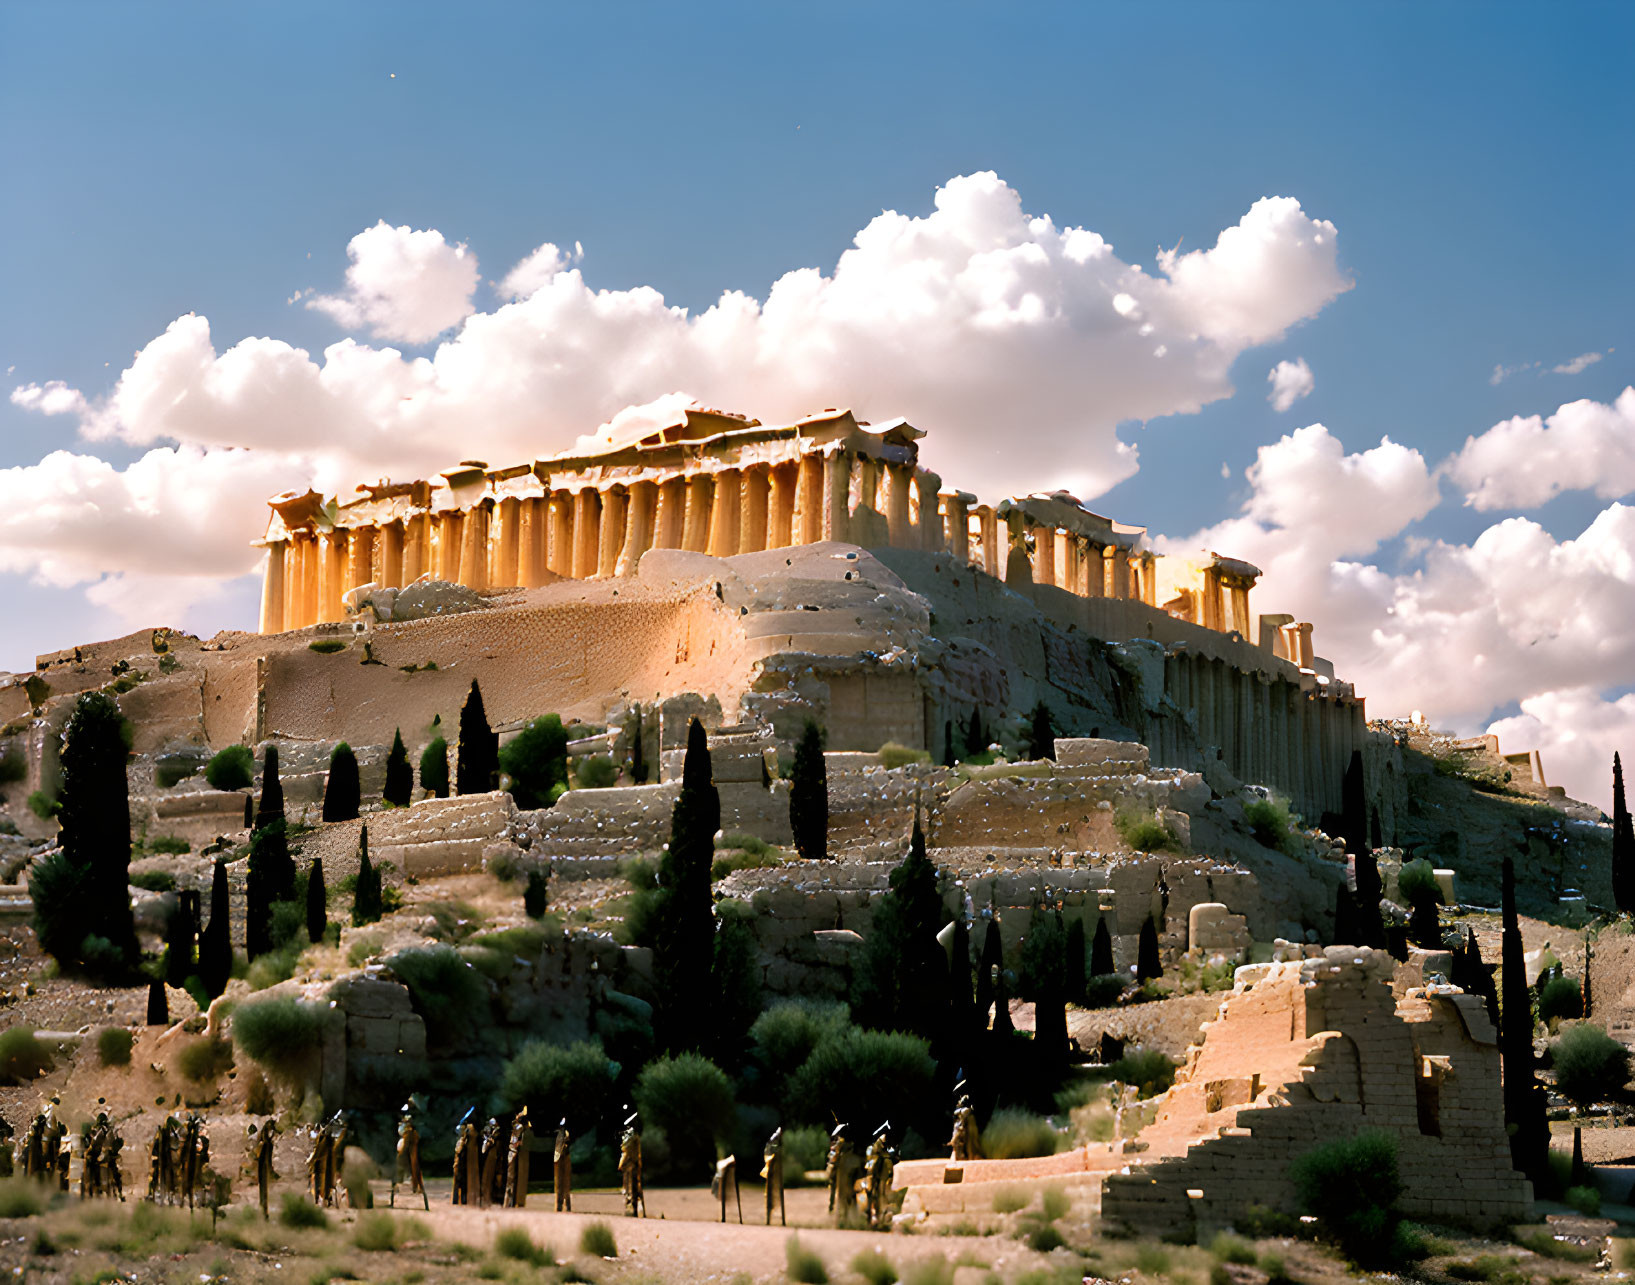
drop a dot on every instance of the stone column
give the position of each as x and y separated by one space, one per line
988 522
780 520
360 557
415 540
532 542
729 494
1305 653
450 537
956 525
331 576
866 519
587 518
311 558
391 554
508 550
899 531
474 546
560 553
669 522
1240 609
1118 573
837 497
808 523
295 578
1210 616
272 589
612 527
754 503
1044 554
695 525
927 521
638 527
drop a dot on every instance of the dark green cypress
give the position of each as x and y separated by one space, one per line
216 941
1043 967
317 901
366 898
477 758
684 946
271 870
1148 965
961 1007
1370 922
809 796
1589 957
1074 975
534 894
901 982
1623 844
158 1004
399 788
1346 929
181 936
1354 805
1524 1106
735 988
96 821
1101 950
342 792
434 768
638 752
949 757
993 959
1424 927
271 806
1042 734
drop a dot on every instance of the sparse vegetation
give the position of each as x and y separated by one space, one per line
1013 1133
1150 1071
515 1243
595 772
22 1056
282 1033
893 755
597 1240
1351 1185
328 646
114 1046
294 1211
803 1264
1589 1064
231 769
203 1059
1143 832
1268 819
874 1267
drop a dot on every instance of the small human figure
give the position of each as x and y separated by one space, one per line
467 1159
261 1159
842 1174
966 1142
490 1162
877 1168
33 1147
318 1162
408 1157
115 1181
65 1152
165 1144
630 1168
90 1163
5 1148
516 1161
726 1175
772 1171
562 1167
203 1178
190 1168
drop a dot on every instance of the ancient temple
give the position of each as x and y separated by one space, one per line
722 484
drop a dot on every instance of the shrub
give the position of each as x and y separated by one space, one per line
1228 1248
874 1267
879 1075
434 768
342 793
805 1150
203 1059
894 755
293 1211
154 881
114 1046
1268 820
804 1265
1103 990
1007 1200
1586 1200
1143 832
1351 1185
21 1197
597 1240
282 1033
1045 1238
231 769
168 772
596 772
42 805
13 766
691 1099
536 759
788 1033
328 646
1014 1134
1149 1070
398 790
172 844
1589 1064
22 1056
376 1233
1560 997
1416 880
447 991
515 1243
553 1080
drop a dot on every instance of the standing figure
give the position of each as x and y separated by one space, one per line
630 1168
726 1175
110 1164
408 1157
203 1178
516 1161
53 1139
261 1159
5 1148
90 1160
335 1159
772 1171
317 1163
490 1162
189 1167
842 1174
966 1142
467 1158
33 1147
166 1144
562 1167
877 1167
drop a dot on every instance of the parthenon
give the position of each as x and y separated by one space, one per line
723 484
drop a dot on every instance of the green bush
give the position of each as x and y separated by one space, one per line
434 768
1589 1064
42 805
1351 1186
1150 1071
596 772
805 1150
114 1046
1228 1248
874 1267
878 1075
894 755
1008 1200
328 646
1103 990
203 1059
169 844
804 1265
1015 1134
1417 879
788 1033
376 1232
282 1033
231 769
294 1211
691 1099
448 993
22 1056
1586 1200
21 1197
1269 821
154 881
515 1243
555 1080
1560 997
168 772
536 760
597 1240
1143 832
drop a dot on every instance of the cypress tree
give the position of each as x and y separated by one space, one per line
949 758
1354 805
684 944
317 902
638 752
534 894
1041 735
399 788
181 936
993 960
1148 965
1424 927
477 758
961 1007
1003 1026
1074 975
902 978
1524 1106
1044 965
216 942
1370 923
158 1004
434 768
342 792
271 870
96 823
735 989
809 796
271 806
1623 844
1347 929
1101 950
366 899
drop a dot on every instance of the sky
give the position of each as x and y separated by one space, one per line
1344 290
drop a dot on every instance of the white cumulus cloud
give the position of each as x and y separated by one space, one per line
1524 461
403 284
1290 381
52 398
1576 732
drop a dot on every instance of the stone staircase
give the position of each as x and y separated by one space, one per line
442 836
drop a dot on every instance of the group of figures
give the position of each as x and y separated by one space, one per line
47 1148
478 1177
179 1161
861 1184
725 1182
325 1160
44 1149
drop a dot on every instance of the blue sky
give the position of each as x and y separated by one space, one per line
167 159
